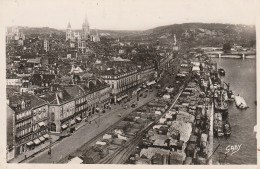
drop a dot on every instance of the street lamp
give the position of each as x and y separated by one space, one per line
49 152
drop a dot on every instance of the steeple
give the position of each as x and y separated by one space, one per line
174 40
85 29
86 20
69 26
68 32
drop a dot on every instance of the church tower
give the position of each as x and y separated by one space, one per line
174 40
68 32
175 45
85 30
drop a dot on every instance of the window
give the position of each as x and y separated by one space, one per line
52 116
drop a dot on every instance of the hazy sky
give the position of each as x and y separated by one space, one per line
125 14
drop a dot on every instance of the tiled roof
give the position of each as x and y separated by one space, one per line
75 91
44 78
34 100
58 97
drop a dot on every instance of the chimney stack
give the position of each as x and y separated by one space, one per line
60 94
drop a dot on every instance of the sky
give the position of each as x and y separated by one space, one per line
125 14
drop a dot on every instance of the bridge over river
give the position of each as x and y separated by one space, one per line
239 55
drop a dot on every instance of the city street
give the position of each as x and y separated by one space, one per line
87 132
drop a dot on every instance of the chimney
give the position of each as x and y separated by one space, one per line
41 76
87 83
60 94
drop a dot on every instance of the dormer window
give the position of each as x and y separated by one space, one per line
23 104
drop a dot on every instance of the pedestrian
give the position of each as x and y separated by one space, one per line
25 156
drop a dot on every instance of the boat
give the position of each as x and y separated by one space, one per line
230 94
240 102
221 100
218 130
218 125
221 72
227 128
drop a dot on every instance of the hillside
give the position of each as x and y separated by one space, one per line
203 33
43 30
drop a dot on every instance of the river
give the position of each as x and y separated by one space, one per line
241 74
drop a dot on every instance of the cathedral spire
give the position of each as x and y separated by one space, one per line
69 26
174 40
85 29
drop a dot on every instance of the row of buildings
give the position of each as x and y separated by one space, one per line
31 117
42 105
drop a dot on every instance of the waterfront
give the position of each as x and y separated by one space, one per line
241 74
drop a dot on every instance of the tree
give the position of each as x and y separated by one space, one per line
226 47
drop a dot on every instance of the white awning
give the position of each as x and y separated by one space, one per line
195 68
101 143
181 75
151 83
64 126
29 143
78 118
122 97
41 124
46 136
42 139
75 160
36 141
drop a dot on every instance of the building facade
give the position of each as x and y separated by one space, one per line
61 110
124 84
28 113
39 124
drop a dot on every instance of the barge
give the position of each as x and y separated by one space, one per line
240 102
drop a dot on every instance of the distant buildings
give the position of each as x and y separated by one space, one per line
79 40
46 45
14 35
